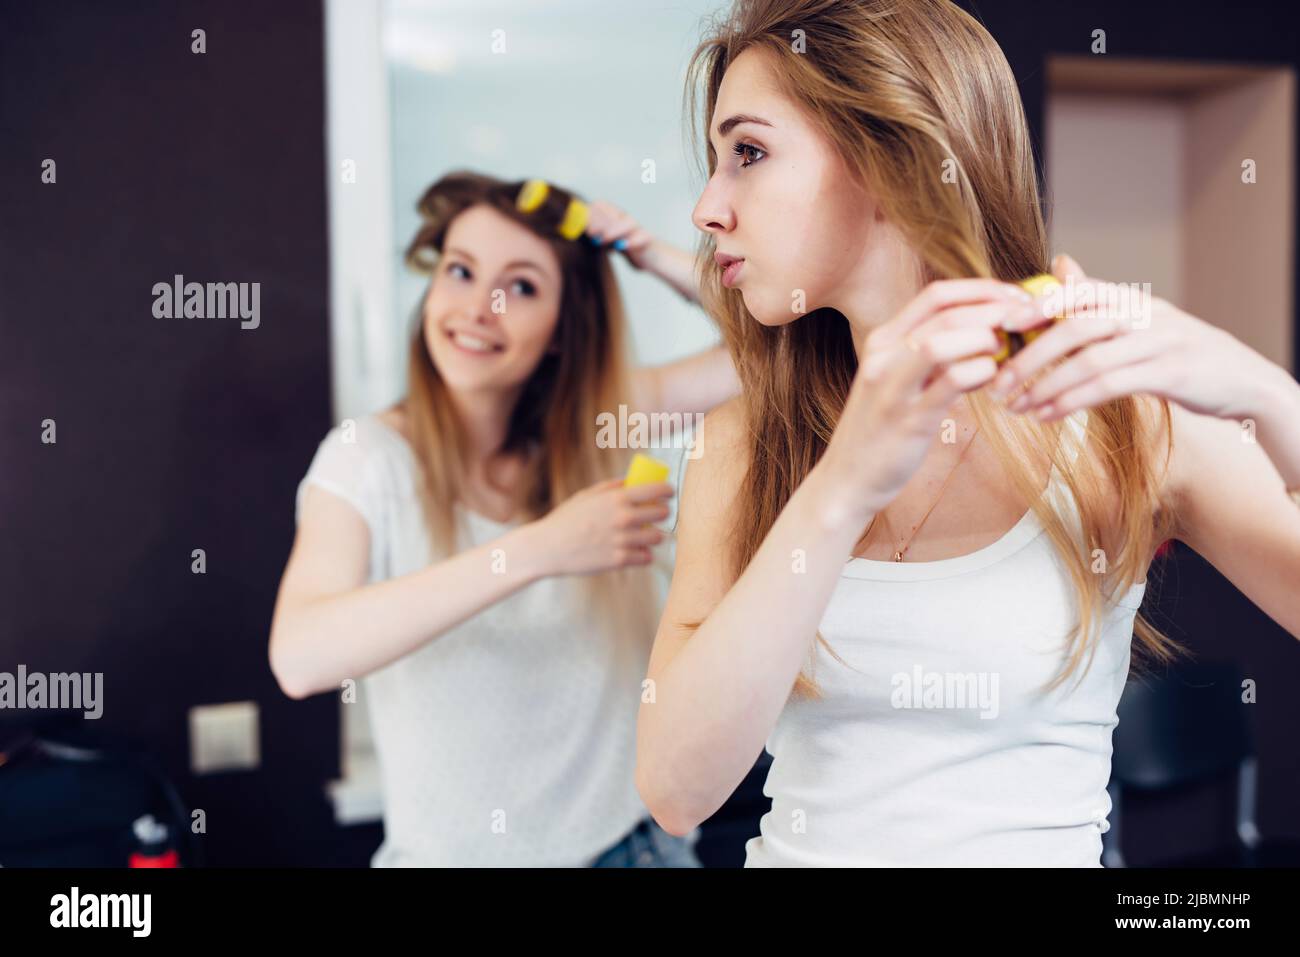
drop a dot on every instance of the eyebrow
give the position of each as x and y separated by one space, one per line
511 265
731 122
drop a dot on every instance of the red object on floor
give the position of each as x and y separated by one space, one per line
168 859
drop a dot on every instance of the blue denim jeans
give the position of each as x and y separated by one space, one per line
649 845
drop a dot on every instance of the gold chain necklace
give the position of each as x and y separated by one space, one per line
900 552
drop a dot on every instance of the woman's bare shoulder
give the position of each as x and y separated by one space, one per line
722 439
716 463
1154 433
395 418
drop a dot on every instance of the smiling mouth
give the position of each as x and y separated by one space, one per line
468 343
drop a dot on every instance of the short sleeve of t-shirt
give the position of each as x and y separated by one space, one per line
345 465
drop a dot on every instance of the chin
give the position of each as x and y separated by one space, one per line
462 376
453 371
769 303
769 315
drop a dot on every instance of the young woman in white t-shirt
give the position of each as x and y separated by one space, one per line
919 597
472 554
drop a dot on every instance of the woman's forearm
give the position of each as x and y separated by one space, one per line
694 384
719 697
1277 425
674 266
319 643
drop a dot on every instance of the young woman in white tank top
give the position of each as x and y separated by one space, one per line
917 591
469 560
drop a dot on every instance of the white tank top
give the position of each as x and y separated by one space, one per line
940 749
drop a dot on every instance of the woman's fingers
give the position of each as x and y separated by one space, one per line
953 380
641 494
637 241
1065 269
642 537
947 335
598 221
1141 376
922 356
622 230
941 295
634 556
1077 297
610 226
946 346
1056 342
989 315
601 216
638 515
1099 359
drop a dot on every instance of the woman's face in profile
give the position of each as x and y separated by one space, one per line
781 199
493 302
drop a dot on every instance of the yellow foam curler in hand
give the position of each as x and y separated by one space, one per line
1037 285
1013 342
645 470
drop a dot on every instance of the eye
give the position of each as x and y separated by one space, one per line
454 266
741 149
526 287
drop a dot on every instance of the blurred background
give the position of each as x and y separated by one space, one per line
290 152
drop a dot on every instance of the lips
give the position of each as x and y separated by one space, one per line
730 265
472 343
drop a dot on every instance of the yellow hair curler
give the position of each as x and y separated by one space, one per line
534 192
574 223
531 195
1012 342
1037 285
645 470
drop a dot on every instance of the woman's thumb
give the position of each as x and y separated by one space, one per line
1063 267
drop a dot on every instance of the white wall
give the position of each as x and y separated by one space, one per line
582 95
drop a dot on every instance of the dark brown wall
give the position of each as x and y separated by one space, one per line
172 434
1194 604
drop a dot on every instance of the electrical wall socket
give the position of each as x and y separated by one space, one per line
224 737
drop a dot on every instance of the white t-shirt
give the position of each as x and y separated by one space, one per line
938 750
509 739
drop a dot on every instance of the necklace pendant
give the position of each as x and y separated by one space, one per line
898 556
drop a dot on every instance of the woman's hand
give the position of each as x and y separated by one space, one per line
913 368
1114 342
602 527
608 225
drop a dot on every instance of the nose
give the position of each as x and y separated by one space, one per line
713 213
480 305
471 305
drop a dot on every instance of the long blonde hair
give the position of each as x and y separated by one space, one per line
554 422
899 88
